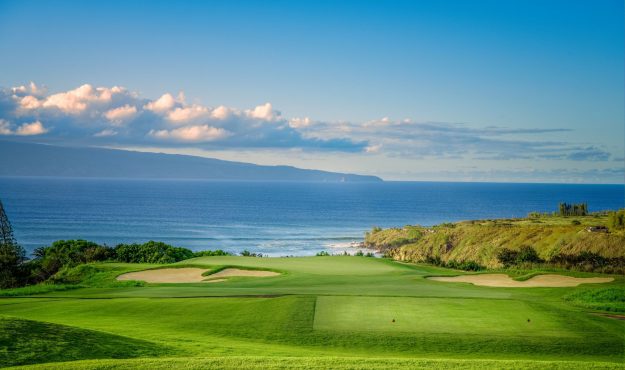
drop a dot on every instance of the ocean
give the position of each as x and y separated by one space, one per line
273 218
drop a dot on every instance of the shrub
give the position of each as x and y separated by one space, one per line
247 253
507 257
575 222
616 220
151 252
527 254
210 253
322 253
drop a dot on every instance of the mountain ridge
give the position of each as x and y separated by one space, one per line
44 160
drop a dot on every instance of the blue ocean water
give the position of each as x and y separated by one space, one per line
274 218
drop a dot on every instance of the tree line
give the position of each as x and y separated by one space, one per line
527 257
16 270
572 209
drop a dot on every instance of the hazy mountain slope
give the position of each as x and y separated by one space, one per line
26 159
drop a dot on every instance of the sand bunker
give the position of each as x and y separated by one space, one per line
181 275
503 280
190 275
231 272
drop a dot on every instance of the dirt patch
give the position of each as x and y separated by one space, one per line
181 275
503 280
232 272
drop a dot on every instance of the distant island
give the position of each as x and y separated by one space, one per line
28 159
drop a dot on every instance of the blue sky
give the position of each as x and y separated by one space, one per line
407 90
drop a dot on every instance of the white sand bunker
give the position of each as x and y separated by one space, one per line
503 280
232 272
181 275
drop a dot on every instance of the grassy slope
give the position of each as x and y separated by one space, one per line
336 307
480 241
25 341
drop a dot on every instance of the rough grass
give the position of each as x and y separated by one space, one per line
605 299
351 363
36 289
480 241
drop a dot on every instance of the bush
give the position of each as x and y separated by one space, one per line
528 254
209 253
151 252
507 257
247 253
616 220
453 264
322 253
575 222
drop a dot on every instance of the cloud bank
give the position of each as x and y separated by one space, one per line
116 116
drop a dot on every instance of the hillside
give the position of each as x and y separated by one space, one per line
480 241
26 159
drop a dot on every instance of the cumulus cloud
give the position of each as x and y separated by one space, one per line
121 114
300 122
188 113
29 129
25 129
263 112
201 133
162 104
117 116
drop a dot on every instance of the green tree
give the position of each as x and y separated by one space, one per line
12 255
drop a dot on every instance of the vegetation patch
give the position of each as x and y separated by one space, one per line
605 299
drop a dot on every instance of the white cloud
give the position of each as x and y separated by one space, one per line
221 112
31 89
200 133
25 129
162 104
187 114
373 148
29 129
263 112
105 133
76 101
300 122
5 127
30 102
121 114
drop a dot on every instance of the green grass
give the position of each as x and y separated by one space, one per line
606 299
36 289
355 363
27 342
438 315
320 312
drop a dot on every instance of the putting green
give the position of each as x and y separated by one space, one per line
436 315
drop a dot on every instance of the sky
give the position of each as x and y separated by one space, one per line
522 91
